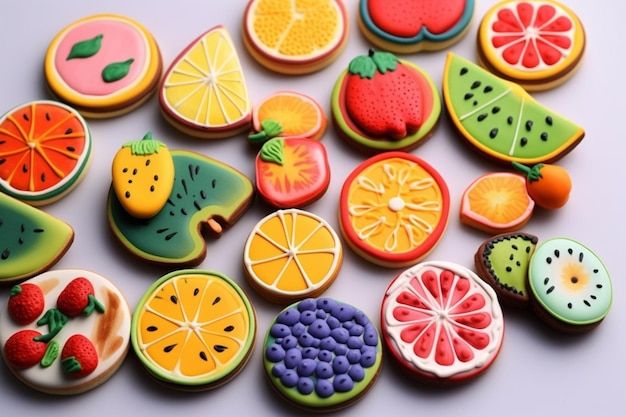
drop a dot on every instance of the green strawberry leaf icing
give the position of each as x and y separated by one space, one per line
269 129
532 174
145 146
273 151
52 352
116 71
86 48
366 66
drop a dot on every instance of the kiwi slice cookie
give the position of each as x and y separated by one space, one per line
502 261
570 288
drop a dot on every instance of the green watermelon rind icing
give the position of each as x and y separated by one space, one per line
501 119
204 188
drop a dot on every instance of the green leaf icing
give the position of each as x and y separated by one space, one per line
367 66
533 174
86 48
52 352
116 71
93 304
145 146
71 365
55 320
272 151
270 129
384 61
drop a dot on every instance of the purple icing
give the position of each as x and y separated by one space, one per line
275 353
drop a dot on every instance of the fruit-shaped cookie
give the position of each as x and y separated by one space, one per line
547 184
382 103
31 240
409 26
208 196
143 176
501 120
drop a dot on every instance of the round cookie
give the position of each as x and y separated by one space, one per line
66 331
409 26
570 288
45 151
292 254
321 354
382 103
393 209
538 44
442 323
194 329
295 37
104 65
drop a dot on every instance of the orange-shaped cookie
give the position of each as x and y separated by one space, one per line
394 209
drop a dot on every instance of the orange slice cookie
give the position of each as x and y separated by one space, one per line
296 37
292 254
393 209
194 329
104 65
538 44
45 150
204 93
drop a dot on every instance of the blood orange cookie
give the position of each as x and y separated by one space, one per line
538 44
322 354
287 114
501 120
292 254
104 65
194 329
45 150
393 209
409 26
32 240
296 37
570 288
292 172
66 331
204 92
442 323
382 103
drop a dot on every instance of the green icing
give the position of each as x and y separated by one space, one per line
273 151
55 320
366 66
116 71
145 146
270 129
502 118
52 352
86 48
203 189
507 259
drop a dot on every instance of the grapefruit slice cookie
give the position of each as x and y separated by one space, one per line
393 209
538 44
570 288
501 120
409 26
104 65
382 103
204 93
45 150
287 114
193 330
322 354
207 197
292 254
65 332
296 37
442 323
32 240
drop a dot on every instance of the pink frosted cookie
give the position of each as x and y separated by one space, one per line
103 65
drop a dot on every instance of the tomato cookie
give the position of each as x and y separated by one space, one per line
103 65
538 44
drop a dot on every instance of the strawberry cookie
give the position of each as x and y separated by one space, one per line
65 332
409 26
382 103
104 65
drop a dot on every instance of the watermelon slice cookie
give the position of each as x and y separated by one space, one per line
382 103
409 26
538 44
442 323
45 150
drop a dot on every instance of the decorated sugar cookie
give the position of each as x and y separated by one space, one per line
45 151
408 26
442 323
292 254
501 120
297 37
204 92
538 44
321 354
194 329
393 209
382 103
65 331
103 65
